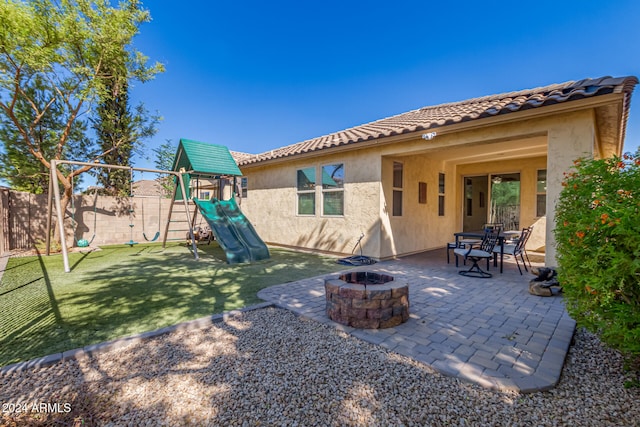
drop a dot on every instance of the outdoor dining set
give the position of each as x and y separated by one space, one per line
491 243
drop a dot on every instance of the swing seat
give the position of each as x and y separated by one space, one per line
154 237
83 243
131 243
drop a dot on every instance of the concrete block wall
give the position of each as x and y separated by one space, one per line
24 221
110 219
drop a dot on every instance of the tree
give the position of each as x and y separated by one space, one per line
56 59
164 161
18 166
119 132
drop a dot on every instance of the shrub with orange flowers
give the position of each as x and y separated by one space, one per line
598 245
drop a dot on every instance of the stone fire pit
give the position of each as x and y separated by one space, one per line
367 300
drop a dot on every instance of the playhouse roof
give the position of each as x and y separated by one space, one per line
203 158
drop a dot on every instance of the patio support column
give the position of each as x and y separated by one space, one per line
572 137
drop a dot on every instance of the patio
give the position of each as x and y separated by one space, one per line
487 331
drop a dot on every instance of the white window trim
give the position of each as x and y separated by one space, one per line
311 191
244 190
323 191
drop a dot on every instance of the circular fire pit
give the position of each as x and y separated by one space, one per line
366 300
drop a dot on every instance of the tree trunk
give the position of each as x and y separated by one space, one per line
65 198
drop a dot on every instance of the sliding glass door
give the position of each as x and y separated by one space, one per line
505 200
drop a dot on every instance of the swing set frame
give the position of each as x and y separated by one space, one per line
54 197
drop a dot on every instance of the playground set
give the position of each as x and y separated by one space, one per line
194 161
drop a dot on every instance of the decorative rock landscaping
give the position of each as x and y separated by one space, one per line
243 371
366 300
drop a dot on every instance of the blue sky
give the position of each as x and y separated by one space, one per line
257 75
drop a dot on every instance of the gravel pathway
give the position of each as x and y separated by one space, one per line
269 367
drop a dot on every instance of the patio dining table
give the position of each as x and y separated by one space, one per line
479 235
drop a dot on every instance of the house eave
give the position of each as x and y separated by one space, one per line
611 137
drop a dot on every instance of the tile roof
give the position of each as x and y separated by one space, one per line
239 156
432 117
148 187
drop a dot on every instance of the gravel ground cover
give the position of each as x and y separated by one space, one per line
268 367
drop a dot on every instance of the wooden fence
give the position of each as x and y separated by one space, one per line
23 219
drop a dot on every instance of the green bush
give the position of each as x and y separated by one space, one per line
598 236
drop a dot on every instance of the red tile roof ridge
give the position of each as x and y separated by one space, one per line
444 114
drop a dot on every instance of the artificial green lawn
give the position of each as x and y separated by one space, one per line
122 290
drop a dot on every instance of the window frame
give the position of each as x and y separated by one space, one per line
336 190
441 193
541 193
305 192
244 187
397 210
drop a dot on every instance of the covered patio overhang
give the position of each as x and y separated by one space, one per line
533 151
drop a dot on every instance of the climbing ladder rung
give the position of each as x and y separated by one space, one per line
187 220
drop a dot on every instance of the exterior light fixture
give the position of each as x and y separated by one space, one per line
428 136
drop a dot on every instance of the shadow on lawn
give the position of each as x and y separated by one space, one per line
21 286
142 292
114 294
33 320
78 261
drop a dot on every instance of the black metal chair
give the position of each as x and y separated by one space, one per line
517 249
451 246
493 225
457 244
475 253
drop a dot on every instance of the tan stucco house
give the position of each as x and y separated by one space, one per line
408 182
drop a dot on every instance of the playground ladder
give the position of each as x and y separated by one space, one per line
187 213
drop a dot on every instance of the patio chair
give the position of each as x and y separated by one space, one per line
518 249
494 225
451 246
476 253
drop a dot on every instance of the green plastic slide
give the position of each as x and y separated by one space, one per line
233 231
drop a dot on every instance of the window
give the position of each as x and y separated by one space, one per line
205 195
244 187
306 185
541 193
440 194
397 188
468 195
422 193
333 189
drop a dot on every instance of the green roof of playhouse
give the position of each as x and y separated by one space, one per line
204 158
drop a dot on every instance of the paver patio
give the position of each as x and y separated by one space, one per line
488 331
